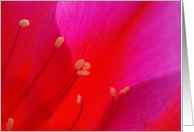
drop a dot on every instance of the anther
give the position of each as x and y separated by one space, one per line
9 124
123 91
112 91
24 23
79 64
86 66
83 73
79 98
59 42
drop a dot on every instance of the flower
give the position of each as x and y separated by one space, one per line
135 44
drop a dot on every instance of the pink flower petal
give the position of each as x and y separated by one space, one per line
145 103
142 40
170 120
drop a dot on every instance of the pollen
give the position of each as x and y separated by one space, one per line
83 73
86 66
112 91
24 23
79 64
9 124
59 42
123 91
79 98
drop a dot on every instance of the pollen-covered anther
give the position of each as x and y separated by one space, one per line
112 91
79 98
83 73
86 66
123 91
24 23
59 42
9 124
79 64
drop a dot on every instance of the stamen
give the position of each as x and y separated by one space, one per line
79 64
79 98
9 124
41 113
11 52
83 73
56 99
24 23
112 91
59 42
77 117
15 104
123 91
86 66
116 107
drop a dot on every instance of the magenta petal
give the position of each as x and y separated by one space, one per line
132 41
145 102
170 120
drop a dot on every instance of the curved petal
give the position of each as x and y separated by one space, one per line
170 120
141 39
145 103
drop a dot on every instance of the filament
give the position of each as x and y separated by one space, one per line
116 107
77 117
40 114
11 52
108 119
15 104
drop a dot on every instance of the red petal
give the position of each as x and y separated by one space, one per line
17 73
12 13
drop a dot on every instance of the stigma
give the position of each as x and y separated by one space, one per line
82 67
